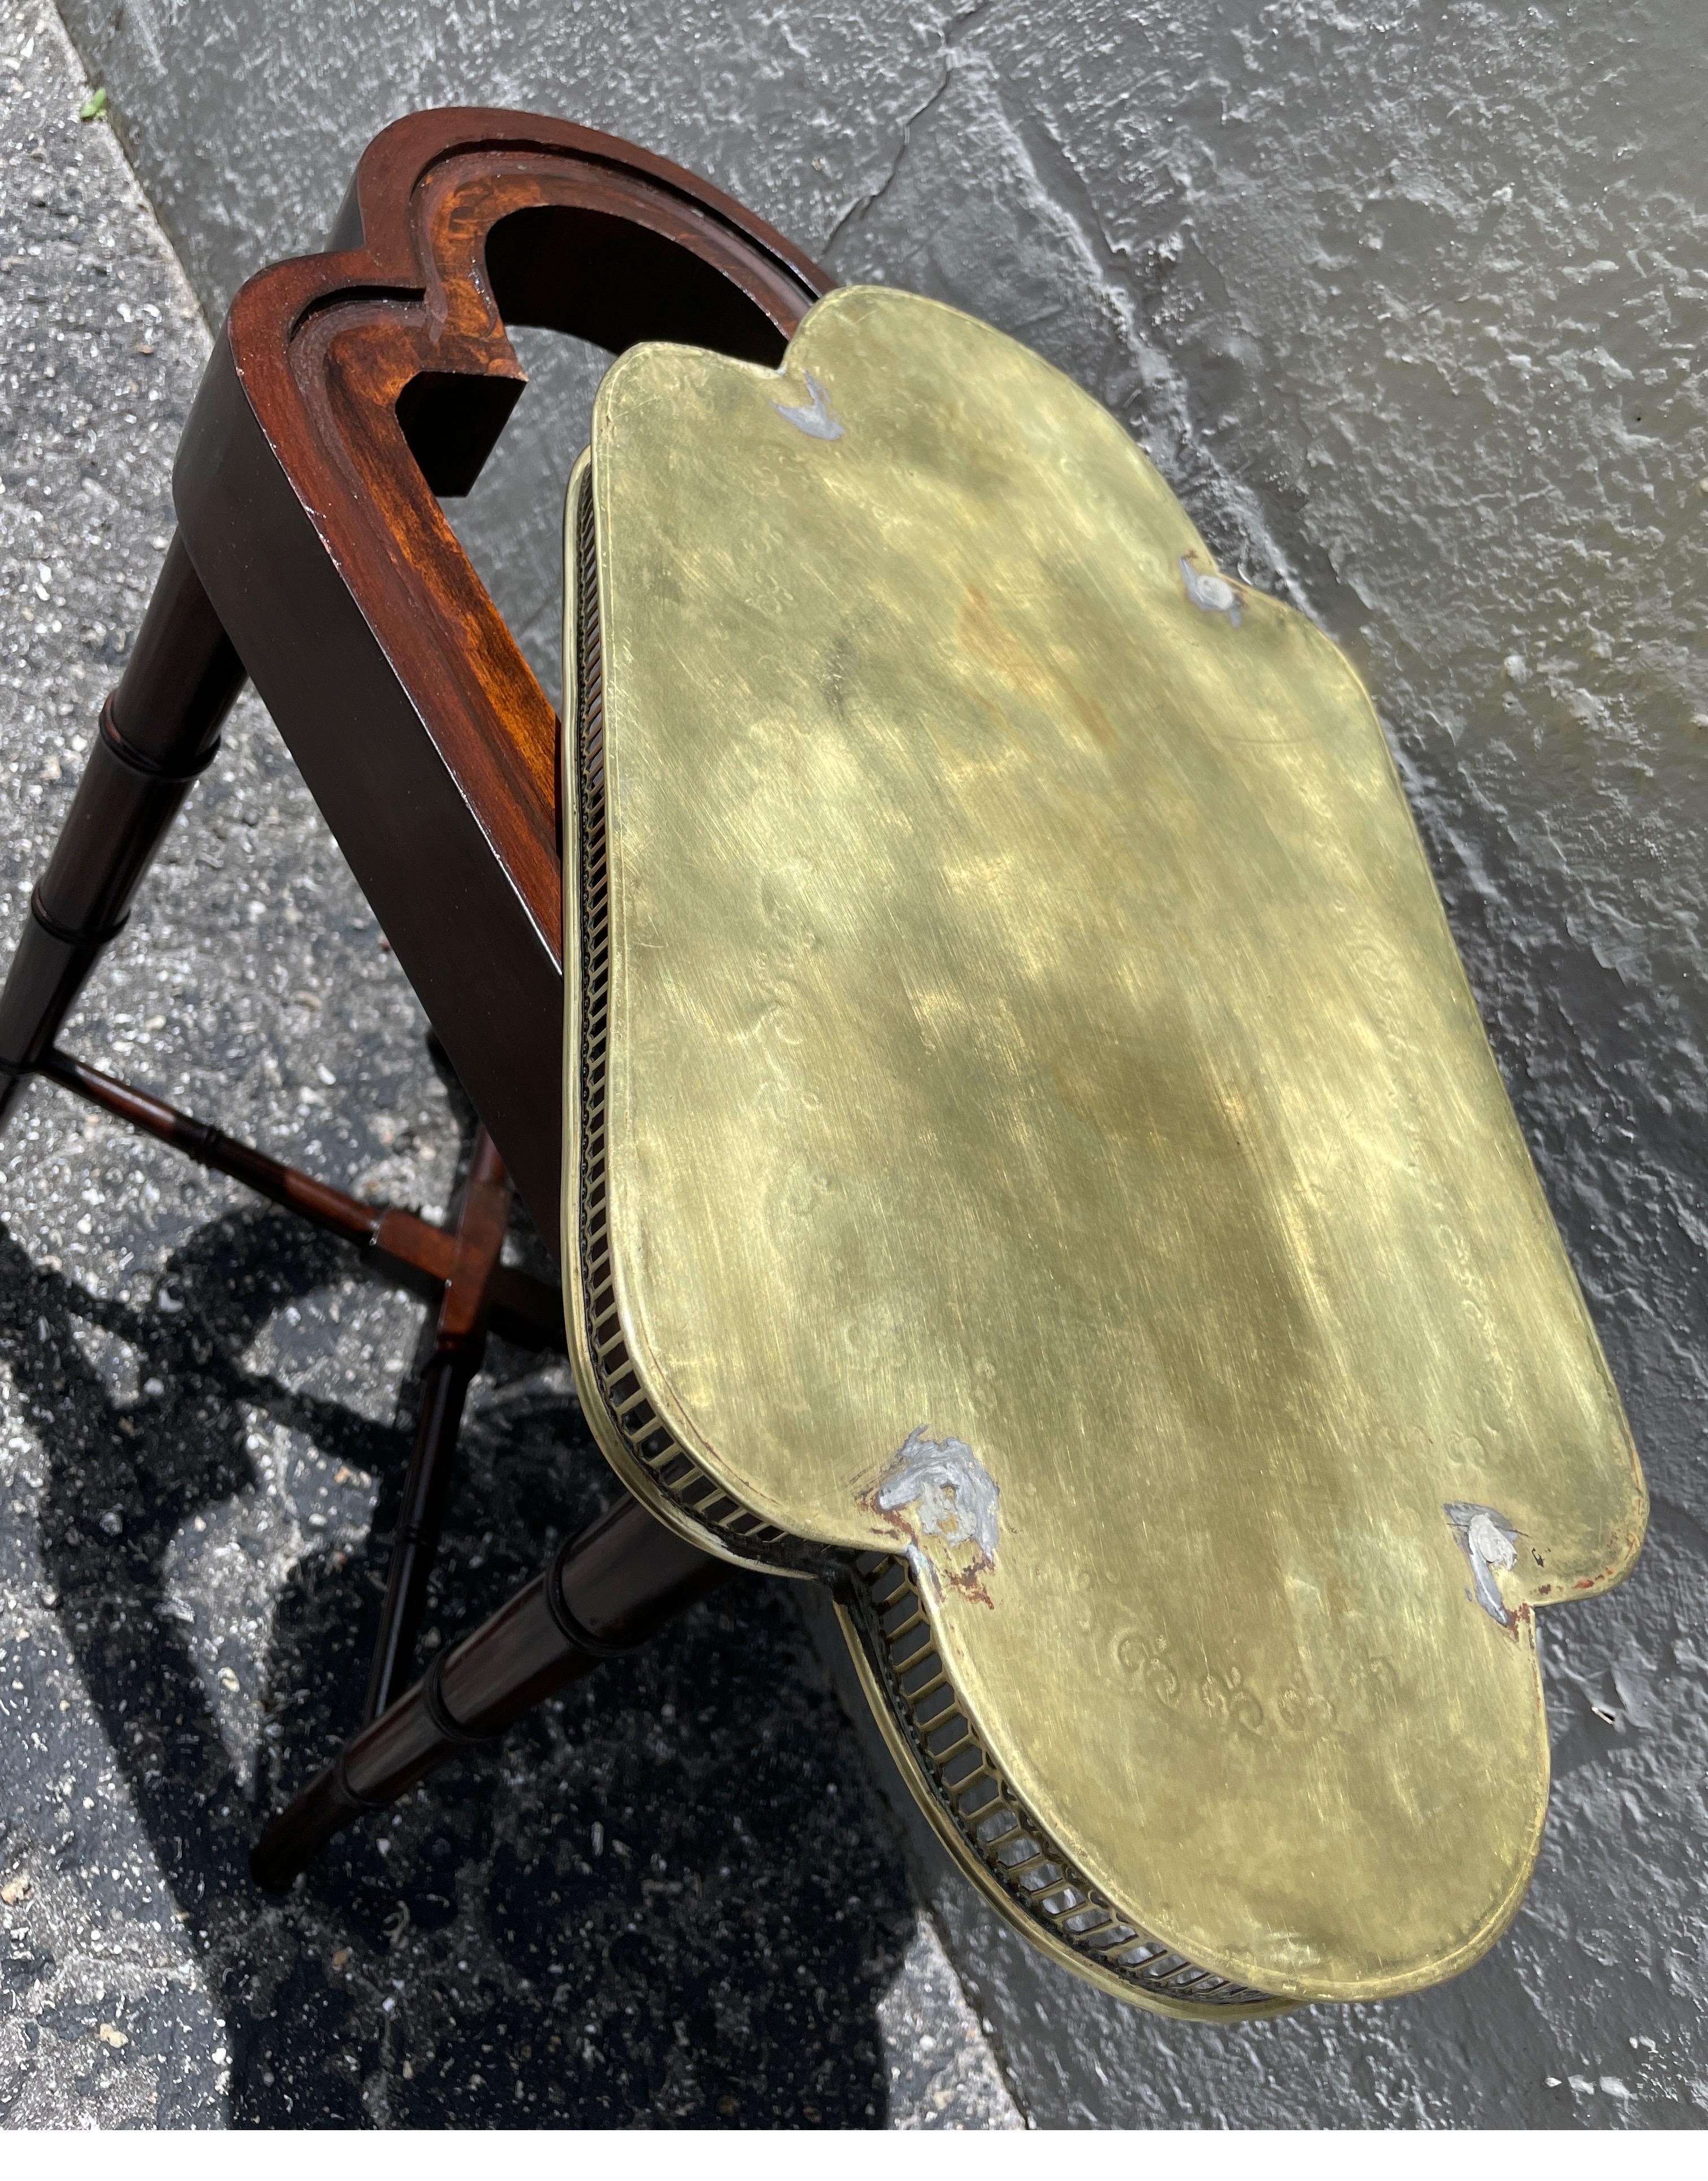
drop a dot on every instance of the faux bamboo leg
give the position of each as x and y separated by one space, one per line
459 1346
607 1592
159 730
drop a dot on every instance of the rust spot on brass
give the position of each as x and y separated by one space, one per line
1040 678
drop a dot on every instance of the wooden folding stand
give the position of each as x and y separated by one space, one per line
347 392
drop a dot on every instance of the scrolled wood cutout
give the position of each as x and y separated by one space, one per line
346 391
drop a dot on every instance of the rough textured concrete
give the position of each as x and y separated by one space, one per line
1407 303
673 1899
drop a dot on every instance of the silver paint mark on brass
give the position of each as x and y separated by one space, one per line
1210 594
956 1494
815 418
1488 1540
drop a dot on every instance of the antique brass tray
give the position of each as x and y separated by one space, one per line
1032 1156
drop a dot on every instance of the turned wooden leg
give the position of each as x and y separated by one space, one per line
159 730
459 1346
607 1592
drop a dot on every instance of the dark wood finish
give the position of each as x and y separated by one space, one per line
607 1592
159 730
345 391
417 724
459 1346
394 1244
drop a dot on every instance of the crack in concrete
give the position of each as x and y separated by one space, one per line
1119 277
952 34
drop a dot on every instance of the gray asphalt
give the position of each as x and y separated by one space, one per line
1409 309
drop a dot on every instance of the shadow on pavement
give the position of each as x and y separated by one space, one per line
669 1899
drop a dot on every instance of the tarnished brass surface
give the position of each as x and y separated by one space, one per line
1051 1139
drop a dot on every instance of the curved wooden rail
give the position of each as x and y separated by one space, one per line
346 392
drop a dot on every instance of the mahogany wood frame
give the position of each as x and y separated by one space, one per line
347 391
416 722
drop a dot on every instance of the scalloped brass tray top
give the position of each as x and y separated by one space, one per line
1032 1155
